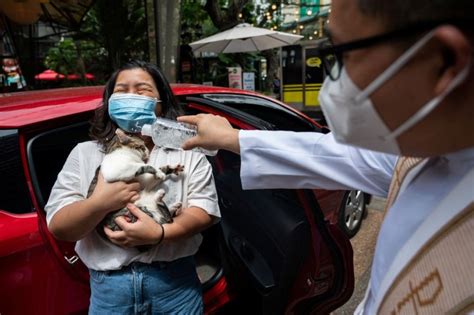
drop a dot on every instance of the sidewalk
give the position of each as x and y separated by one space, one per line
363 245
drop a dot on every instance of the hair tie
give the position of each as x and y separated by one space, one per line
162 234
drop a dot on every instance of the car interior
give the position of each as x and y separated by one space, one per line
15 196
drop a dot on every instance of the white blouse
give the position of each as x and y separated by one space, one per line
194 188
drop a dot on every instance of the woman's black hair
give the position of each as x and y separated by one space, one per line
103 128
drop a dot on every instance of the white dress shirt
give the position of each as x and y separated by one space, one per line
278 159
194 188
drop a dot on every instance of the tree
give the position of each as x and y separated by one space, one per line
271 55
69 57
218 15
119 26
110 34
225 18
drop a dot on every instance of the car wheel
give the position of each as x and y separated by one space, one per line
352 212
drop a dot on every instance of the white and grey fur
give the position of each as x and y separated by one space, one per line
125 160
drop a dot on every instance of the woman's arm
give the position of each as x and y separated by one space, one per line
74 221
147 231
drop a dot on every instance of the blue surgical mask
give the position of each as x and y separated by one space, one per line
131 111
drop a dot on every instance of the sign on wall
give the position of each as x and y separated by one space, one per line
249 81
235 77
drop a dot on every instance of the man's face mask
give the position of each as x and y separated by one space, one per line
131 111
352 117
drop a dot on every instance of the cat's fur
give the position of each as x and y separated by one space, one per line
125 160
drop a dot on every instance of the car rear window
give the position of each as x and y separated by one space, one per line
14 194
47 153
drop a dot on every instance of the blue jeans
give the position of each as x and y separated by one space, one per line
157 288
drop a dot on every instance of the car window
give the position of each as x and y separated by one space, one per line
47 153
277 115
14 195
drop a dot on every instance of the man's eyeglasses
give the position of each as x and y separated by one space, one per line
331 55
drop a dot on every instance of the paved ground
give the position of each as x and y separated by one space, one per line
363 245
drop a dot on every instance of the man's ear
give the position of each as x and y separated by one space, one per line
456 55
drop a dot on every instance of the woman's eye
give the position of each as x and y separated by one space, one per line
144 92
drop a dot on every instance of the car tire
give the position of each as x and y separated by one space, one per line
352 212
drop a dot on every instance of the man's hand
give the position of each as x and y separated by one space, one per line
214 132
144 231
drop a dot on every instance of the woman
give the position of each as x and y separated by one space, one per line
125 280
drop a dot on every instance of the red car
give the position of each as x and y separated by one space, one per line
274 251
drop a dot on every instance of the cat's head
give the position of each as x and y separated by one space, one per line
121 140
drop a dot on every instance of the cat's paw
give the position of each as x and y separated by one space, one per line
177 169
159 175
160 193
175 208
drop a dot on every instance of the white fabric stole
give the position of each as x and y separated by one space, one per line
451 206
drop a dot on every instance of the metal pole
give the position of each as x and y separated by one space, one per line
280 73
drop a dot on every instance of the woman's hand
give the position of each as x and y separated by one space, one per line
214 132
113 196
144 231
79 218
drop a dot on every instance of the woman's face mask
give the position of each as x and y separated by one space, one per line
131 111
352 117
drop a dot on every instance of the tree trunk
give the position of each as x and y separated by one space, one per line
151 31
80 61
168 36
113 24
273 66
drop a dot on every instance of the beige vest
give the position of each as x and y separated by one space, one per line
433 273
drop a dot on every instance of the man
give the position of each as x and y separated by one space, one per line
400 83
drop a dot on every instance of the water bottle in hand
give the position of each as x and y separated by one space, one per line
171 134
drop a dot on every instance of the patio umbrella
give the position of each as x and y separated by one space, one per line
68 13
88 76
49 75
244 38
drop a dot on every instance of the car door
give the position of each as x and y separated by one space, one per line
32 279
277 242
46 153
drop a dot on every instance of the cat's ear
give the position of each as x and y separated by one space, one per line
123 138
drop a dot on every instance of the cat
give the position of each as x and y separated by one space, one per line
125 160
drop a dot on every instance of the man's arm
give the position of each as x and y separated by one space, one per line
282 159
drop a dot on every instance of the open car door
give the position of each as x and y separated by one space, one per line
46 152
277 244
